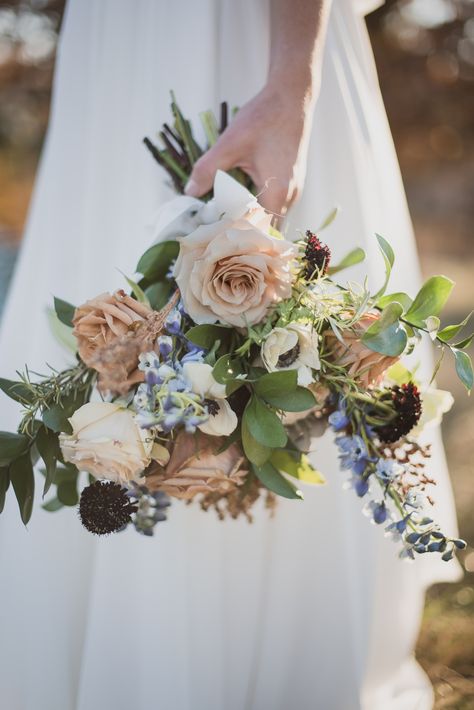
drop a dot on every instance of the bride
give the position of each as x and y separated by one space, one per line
310 609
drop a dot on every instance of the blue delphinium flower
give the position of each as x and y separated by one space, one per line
165 345
353 453
338 420
387 469
173 322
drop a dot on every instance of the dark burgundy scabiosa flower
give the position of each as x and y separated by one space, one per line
317 256
105 507
406 401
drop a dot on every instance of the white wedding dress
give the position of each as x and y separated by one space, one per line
310 610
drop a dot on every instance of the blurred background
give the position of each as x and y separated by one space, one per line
424 51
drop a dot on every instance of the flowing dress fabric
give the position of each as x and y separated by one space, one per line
310 609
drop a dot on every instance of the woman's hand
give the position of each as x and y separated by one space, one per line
268 140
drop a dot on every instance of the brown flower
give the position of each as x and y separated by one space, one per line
365 365
104 319
195 466
112 331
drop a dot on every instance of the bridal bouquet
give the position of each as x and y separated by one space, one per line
211 380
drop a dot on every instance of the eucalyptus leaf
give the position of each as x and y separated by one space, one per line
64 310
273 384
204 336
156 261
450 331
387 336
299 400
430 300
158 294
17 391
354 257
4 484
61 332
255 452
296 464
464 368
465 343
12 446
399 297
264 424
226 369
274 481
23 482
56 417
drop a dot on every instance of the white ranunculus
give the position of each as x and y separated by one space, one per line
302 339
434 403
183 215
107 443
223 421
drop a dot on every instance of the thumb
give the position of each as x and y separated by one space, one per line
201 180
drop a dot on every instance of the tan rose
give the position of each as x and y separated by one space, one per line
231 271
367 366
107 443
196 467
101 320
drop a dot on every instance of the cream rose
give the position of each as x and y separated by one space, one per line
107 443
232 271
295 347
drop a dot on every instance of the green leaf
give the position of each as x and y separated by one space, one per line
329 219
64 311
156 261
158 294
389 258
137 290
464 368
17 391
12 446
23 482
255 452
4 484
354 257
226 369
210 126
47 444
206 335
297 465
430 300
450 331
56 417
264 424
299 400
386 335
398 297
274 481
67 493
273 384
61 332
53 505
465 343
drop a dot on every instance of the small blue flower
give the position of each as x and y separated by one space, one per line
354 455
380 513
338 420
173 322
387 469
194 354
148 361
165 345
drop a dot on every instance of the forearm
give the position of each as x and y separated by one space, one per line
298 33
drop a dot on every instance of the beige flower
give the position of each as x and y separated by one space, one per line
295 347
107 443
103 319
232 270
196 467
367 366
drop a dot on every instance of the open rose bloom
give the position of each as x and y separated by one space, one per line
212 380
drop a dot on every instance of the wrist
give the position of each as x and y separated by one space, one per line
293 88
